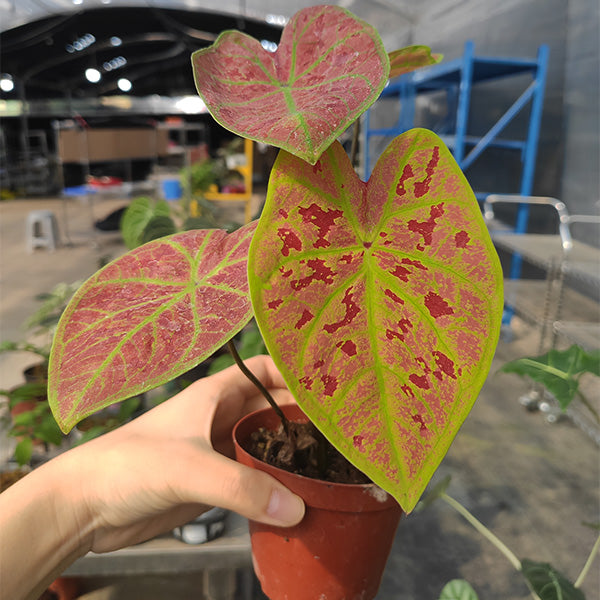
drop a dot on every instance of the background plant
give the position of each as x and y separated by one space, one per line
39 328
560 372
146 219
31 420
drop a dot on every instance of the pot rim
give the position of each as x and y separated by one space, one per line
317 493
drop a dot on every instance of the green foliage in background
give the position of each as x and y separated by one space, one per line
559 371
458 589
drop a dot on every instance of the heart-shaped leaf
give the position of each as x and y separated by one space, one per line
329 68
380 302
148 317
548 583
411 58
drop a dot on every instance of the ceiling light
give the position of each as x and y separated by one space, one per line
80 44
116 41
93 75
191 105
6 83
124 84
114 63
276 19
268 45
77 1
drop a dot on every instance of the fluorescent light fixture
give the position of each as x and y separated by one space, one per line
6 83
191 105
268 45
114 63
276 19
81 43
93 75
124 84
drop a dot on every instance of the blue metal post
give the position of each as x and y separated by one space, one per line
464 98
406 118
533 134
530 152
367 130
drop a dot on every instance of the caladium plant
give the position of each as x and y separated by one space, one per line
379 301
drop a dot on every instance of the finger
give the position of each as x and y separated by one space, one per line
249 492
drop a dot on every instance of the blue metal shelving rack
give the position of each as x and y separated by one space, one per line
457 78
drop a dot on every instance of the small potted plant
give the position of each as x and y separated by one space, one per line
39 329
379 301
32 423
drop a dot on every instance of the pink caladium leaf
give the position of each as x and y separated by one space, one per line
380 302
147 317
328 69
410 58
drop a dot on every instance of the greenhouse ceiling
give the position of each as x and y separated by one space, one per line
92 48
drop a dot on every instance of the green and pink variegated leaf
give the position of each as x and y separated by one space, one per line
147 317
380 302
410 58
328 69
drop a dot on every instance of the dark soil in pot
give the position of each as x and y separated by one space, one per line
339 550
305 451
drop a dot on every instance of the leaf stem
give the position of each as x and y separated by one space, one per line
263 390
514 561
588 564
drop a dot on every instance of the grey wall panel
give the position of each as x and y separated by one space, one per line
568 160
581 181
511 29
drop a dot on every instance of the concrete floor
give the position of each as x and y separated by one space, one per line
534 484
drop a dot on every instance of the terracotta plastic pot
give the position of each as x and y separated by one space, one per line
64 588
339 550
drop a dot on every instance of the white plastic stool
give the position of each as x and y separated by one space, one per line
41 230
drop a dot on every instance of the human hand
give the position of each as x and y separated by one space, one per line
172 463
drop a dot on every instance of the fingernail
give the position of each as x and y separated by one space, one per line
285 507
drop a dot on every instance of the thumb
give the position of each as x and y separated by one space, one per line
249 492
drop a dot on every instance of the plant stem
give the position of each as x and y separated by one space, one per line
508 553
263 390
588 564
514 561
